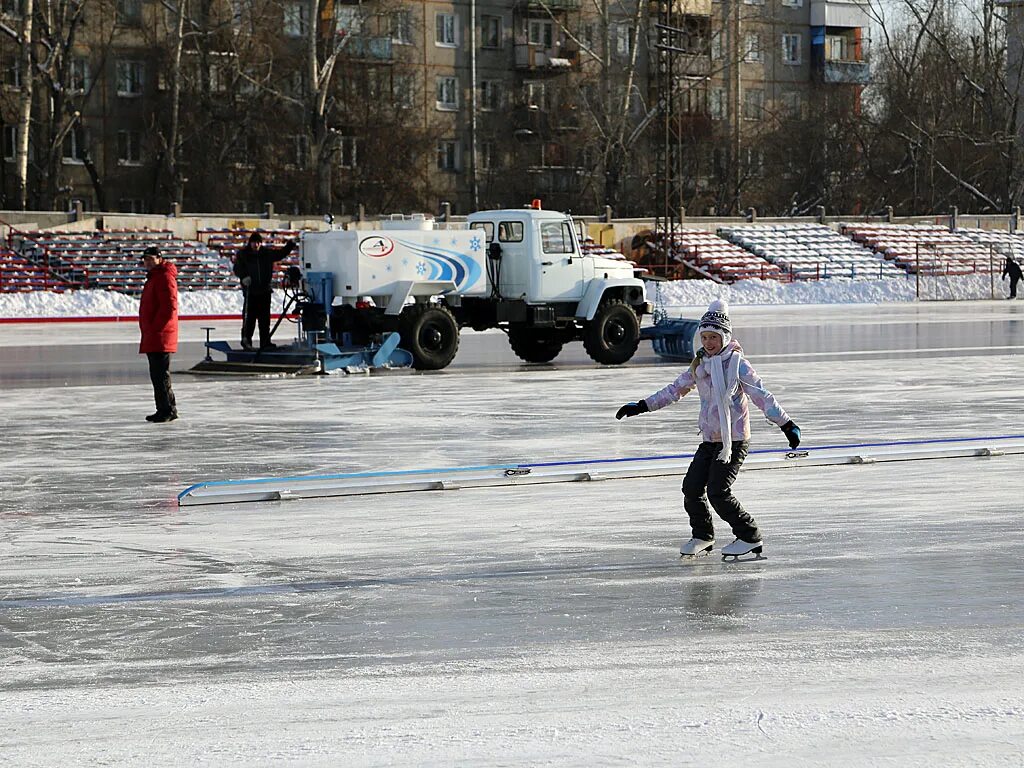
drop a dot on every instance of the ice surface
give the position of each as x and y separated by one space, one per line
541 625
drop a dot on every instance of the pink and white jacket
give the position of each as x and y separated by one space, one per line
740 382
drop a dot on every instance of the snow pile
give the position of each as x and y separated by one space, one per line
832 291
837 290
111 304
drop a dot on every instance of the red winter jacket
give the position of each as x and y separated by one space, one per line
158 310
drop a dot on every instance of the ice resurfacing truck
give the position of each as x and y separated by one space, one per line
520 270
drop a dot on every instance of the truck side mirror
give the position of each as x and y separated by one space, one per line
494 251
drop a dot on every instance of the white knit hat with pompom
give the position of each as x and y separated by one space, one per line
716 319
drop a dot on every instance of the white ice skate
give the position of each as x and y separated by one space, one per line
697 548
739 548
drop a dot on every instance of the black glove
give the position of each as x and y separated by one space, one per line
792 433
632 409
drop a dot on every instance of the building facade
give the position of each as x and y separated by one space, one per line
405 105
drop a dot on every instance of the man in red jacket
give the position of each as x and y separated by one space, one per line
158 319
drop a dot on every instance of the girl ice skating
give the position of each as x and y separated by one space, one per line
724 380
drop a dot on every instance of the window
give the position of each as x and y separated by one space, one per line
793 3
78 76
793 104
401 27
347 20
718 104
445 30
486 160
238 14
753 104
296 19
10 141
752 47
490 32
510 232
300 143
791 49
588 35
835 48
716 46
12 75
129 78
753 161
403 89
753 2
536 96
347 152
447 93
490 95
220 76
486 226
73 149
622 40
542 33
448 155
556 237
129 150
129 12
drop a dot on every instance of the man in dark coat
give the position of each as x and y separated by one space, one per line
1012 268
158 321
254 265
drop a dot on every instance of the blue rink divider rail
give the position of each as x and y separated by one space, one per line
577 470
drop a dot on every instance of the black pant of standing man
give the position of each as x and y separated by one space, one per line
256 310
160 375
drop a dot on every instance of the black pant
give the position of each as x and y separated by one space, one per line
706 472
1013 286
160 375
256 310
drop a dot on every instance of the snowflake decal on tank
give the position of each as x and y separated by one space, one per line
474 244
421 268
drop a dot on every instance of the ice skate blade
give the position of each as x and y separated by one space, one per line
696 556
749 557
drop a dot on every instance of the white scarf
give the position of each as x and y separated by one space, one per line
722 389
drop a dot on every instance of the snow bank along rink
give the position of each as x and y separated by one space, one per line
544 625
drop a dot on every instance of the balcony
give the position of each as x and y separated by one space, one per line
533 57
554 5
368 48
852 72
840 13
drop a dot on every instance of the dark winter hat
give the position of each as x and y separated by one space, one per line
716 319
152 251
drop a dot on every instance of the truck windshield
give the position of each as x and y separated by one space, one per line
556 237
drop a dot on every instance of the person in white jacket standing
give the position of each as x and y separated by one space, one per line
725 380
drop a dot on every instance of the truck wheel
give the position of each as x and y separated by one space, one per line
533 345
430 333
612 337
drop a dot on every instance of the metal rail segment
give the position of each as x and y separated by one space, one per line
452 478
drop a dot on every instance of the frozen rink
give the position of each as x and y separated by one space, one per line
542 625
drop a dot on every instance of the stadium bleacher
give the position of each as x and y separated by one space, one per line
707 253
925 248
19 275
809 251
111 260
1002 243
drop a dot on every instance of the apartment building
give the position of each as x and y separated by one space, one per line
475 103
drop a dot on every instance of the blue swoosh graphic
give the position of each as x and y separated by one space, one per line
447 264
